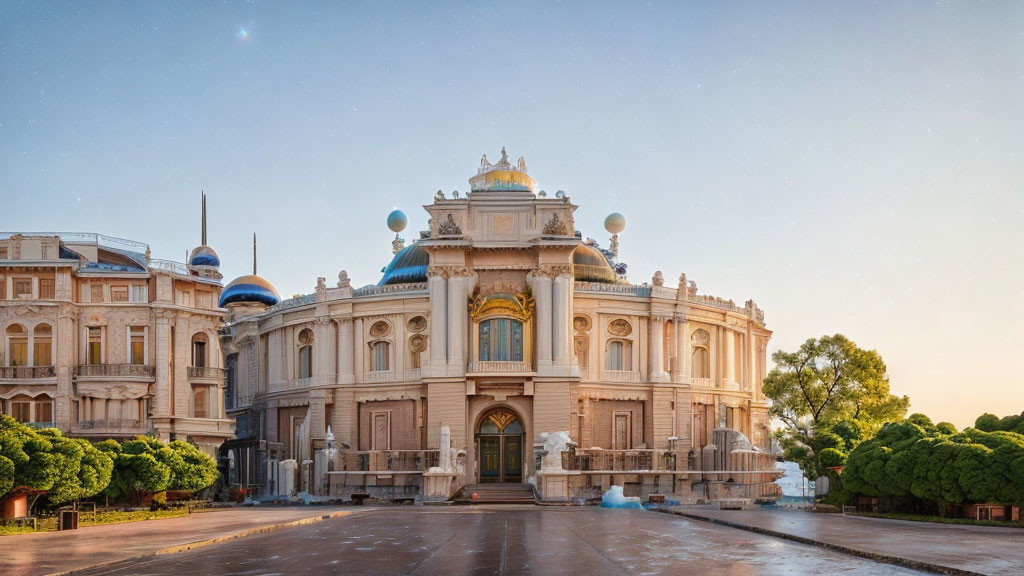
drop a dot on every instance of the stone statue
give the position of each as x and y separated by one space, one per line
321 288
343 281
455 194
555 443
658 279
449 227
555 226
439 196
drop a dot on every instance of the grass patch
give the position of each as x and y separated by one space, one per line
941 519
103 517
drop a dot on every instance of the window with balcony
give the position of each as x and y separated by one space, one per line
137 344
46 289
305 353
619 355
42 346
379 357
199 350
501 340
17 345
94 352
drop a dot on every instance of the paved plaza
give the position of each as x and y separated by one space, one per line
512 540
509 540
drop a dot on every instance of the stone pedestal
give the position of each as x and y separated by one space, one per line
554 485
286 478
437 485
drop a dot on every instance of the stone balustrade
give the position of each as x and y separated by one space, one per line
116 370
27 372
621 375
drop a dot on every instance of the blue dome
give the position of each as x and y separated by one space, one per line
409 265
204 256
249 288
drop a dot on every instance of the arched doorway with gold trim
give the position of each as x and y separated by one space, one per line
499 441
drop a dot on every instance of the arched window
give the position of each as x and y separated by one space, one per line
305 353
42 345
700 364
501 340
17 345
619 355
199 350
380 356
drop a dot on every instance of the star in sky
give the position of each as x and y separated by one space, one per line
242 35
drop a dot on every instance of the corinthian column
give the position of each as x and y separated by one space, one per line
346 352
457 316
542 295
561 318
657 343
730 356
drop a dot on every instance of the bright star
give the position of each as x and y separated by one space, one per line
242 33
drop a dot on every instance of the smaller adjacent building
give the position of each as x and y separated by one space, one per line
103 341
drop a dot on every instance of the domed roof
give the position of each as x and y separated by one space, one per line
249 288
590 265
203 256
409 265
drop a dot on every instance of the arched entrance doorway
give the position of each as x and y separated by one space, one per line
499 439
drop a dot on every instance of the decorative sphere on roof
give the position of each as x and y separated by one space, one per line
203 256
249 289
397 221
615 223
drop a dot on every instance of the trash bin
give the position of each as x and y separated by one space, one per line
67 520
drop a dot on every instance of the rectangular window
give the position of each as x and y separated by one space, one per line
138 344
379 361
96 293
305 362
44 412
42 350
95 345
118 293
199 353
203 300
21 411
139 293
22 287
381 431
18 350
200 402
3 253
501 340
622 433
46 291
184 298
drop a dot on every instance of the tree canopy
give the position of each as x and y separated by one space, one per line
147 465
830 394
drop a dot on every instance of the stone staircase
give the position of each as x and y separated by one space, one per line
497 494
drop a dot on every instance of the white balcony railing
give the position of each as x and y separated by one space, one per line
378 376
700 382
412 373
498 366
622 375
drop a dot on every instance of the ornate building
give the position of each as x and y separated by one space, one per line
496 326
102 341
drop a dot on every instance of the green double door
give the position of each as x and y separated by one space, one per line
501 458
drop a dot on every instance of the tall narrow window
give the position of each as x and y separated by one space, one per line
21 410
699 365
138 293
501 340
42 346
200 402
17 345
621 434
95 345
137 335
44 411
305 353
379 359
46 290
199 350
619 355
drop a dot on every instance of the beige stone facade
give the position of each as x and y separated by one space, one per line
101 341
498 324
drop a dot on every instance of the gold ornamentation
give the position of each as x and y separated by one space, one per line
620 327
380 329
581 323
417 323
513 303
501 419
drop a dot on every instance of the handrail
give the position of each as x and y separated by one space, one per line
137 370
27 372
204 372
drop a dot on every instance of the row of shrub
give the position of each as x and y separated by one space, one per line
916 460
72 469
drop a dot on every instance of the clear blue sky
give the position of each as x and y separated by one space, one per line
854 168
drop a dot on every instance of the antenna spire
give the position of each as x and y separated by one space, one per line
204 219
253 253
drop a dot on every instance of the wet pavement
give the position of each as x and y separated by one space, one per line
49 552
509 540
979 549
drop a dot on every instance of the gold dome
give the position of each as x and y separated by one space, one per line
590 265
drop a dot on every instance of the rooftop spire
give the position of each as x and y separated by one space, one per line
253 253
203 243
